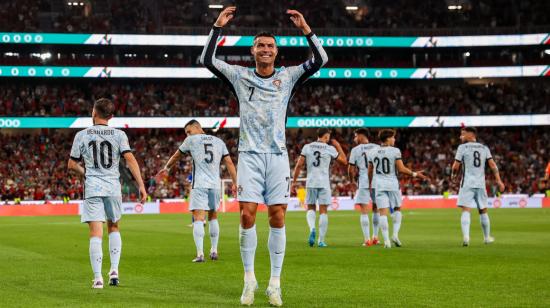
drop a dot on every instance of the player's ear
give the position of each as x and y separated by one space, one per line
252 50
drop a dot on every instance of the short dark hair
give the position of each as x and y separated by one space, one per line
104 108
322 131
384 134
470 129
192 122
264 34
361 131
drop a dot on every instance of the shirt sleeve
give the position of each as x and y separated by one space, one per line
333 152
397 154
459 154
225 152
185 147
304 151
75 149
300 73
229 74
489 156
352 159
124 144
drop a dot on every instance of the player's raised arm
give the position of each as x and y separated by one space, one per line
341 158
136 173
320 58
494 169
221 69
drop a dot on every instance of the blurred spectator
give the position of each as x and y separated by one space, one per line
344 98
34 167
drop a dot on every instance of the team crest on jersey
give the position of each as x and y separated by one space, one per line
277 83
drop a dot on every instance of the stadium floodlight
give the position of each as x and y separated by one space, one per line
467 54
69 3
547 51
215 6
454 7
352 8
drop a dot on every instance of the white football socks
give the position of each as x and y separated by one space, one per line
465 225
96 256
365 226
198 236
375 224
310 217
248 241
323 227
384 226
485 225
276 244
115 249
397 217
214 229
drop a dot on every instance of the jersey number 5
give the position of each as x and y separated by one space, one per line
208 151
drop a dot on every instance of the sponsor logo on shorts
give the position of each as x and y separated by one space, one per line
239 190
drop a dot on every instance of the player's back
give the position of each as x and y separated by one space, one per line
206 152
318 157
359 158
101 147
383 160
473 156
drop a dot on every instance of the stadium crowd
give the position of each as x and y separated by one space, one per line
167 16
34 163
338 99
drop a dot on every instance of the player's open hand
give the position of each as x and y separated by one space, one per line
299 21
142 195
234 190
225 16
421 175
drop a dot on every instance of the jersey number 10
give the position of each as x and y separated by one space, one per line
106 162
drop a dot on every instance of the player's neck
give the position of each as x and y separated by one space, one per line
100 122
265 71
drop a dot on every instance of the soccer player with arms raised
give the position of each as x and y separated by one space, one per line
473 156
263 173
100 147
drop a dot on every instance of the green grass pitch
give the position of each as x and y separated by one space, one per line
44 262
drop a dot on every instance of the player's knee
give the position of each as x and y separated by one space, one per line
277 219
247 220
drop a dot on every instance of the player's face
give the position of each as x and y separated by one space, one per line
391 141
264 50
325 138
